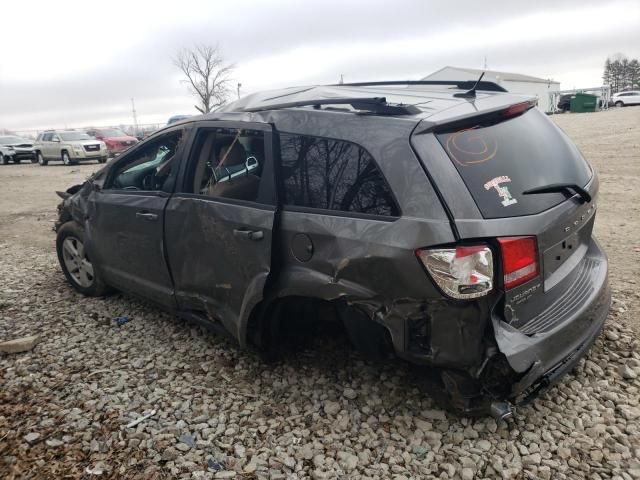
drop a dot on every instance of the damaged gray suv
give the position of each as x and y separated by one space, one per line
446 223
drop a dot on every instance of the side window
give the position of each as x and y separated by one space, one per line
47 137
333 175
227 163
152 167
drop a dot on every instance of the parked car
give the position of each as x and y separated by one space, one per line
448 225
564 102
624 99
15 149
69 147
115 139
177 118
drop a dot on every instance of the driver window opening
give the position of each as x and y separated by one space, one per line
229 163
152 167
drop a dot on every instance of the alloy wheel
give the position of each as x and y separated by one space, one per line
76 262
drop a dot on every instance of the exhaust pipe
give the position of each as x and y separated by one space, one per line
501 410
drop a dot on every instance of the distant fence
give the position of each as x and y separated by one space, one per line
142 129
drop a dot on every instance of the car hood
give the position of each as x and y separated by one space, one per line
19 145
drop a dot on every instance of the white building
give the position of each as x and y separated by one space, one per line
512 82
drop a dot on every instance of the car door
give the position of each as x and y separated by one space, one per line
219 223
45 146
127 220
634 98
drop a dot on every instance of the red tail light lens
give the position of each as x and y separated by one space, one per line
519 260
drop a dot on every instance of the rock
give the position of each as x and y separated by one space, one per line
331 408
467 474
31 437
611 335
225 474
54 442
19 345
349 393
347 460
627 372
484 445
434 414
533 459
187 440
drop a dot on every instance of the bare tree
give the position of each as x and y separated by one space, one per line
208 75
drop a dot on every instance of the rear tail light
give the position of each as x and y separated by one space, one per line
463 272
519 260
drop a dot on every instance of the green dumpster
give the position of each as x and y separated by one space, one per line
583 102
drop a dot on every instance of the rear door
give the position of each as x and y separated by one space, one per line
127 224
219 223
483 166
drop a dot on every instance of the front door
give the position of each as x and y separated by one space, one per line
127 225
219 223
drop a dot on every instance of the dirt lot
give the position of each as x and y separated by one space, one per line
320 413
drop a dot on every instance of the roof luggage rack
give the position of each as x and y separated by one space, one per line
461 84
376 105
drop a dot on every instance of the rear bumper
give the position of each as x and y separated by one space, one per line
542 358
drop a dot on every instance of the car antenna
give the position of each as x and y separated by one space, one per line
470 93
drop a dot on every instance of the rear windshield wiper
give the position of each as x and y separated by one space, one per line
561 187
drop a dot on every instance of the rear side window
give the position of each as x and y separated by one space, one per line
499 161
333 175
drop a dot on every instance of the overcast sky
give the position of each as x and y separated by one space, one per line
70 64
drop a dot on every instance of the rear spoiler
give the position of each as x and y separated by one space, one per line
468 120
460 84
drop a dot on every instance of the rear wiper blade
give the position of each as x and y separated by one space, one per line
561 187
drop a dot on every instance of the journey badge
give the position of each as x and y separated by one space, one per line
503 192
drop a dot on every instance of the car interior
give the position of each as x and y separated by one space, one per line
229 163
151 166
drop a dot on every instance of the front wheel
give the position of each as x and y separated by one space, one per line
66 159
619 104
102 160
41 161
34 159
16 160
75 262
5 159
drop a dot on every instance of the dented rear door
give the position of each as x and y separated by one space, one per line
219 247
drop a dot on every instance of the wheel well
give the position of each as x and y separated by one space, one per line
297 321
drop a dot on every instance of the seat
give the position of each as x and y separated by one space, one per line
242 187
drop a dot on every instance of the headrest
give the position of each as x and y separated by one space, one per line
235 155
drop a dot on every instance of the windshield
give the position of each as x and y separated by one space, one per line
112 132
12 140
70 136
501 160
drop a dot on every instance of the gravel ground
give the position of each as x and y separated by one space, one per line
322 412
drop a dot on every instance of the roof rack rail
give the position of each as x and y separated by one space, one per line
461 84
377 105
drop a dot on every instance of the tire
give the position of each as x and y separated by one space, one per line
75 263
16 160
102 160
34 159
619 104
66 159
41 161
5 160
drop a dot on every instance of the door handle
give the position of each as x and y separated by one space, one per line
147 216
248 234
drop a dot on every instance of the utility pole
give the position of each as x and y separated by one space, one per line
485 62
135 117
239 85
341 79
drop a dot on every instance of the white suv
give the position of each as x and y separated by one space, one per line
68 146
622 99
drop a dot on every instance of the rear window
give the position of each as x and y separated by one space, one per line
329 174
501 160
